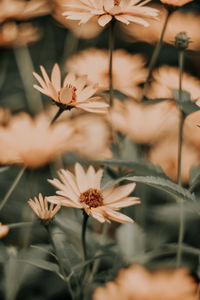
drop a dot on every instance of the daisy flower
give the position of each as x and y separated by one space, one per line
83 191
125 11
73 93
138 283
41 208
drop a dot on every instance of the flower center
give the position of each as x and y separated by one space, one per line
73 92
67 95
117 2
92 198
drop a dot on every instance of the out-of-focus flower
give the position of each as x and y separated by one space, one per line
73 93
5 116
125 11
32 142
85 31
128 70
23 10
179 21
18 35
4 229
144 123
136 283
175 2
41 208
88 127
82 191
165 154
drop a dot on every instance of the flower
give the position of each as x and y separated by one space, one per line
160 155
23 10
125 11
5 116
41 208
179 21
83 191
136 283
4 229
32 142
84 31
74 92
128 118
175 2
18 35
94 63
87 127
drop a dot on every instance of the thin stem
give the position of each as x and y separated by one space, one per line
25 67
83 233
156 52
180 144
12 187
59 112
111 47
60 263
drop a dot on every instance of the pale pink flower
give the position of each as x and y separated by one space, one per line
83 191
137 283
42 209
125 11
74 92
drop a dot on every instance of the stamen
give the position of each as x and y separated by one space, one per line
92 197
117 2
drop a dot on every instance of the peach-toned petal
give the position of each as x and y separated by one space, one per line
56 77
120 192
104 19
81 178
117 216
124 202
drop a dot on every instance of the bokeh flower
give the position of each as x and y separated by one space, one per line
94 63
73 93
83 191
175 2
42 209
88 30
125 11
4 229
136 283
32 143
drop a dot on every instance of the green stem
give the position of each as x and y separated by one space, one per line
180 144
59 260
83 234
59 112
25 67
12 187
111 47
156 52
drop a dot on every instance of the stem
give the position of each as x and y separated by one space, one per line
111 47
25 67
156 52
59 260
59 112
12 187
180 144
85 219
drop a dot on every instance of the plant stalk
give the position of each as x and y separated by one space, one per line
111 47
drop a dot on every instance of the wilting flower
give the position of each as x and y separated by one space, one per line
144 123
175 2
18 35
160 155
42 209
128 70
73 93
32 142
83 191
23 10
3 230
84 31
88 127
179 21
125 11
137 283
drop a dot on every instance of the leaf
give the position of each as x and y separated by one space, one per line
147 101
185 104
3 169
42 264
194 178
176 191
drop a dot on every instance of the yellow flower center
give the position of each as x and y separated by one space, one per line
117 2
92 198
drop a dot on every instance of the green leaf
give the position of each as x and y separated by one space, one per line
176 191
194 177
185 104
147 101
42 264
